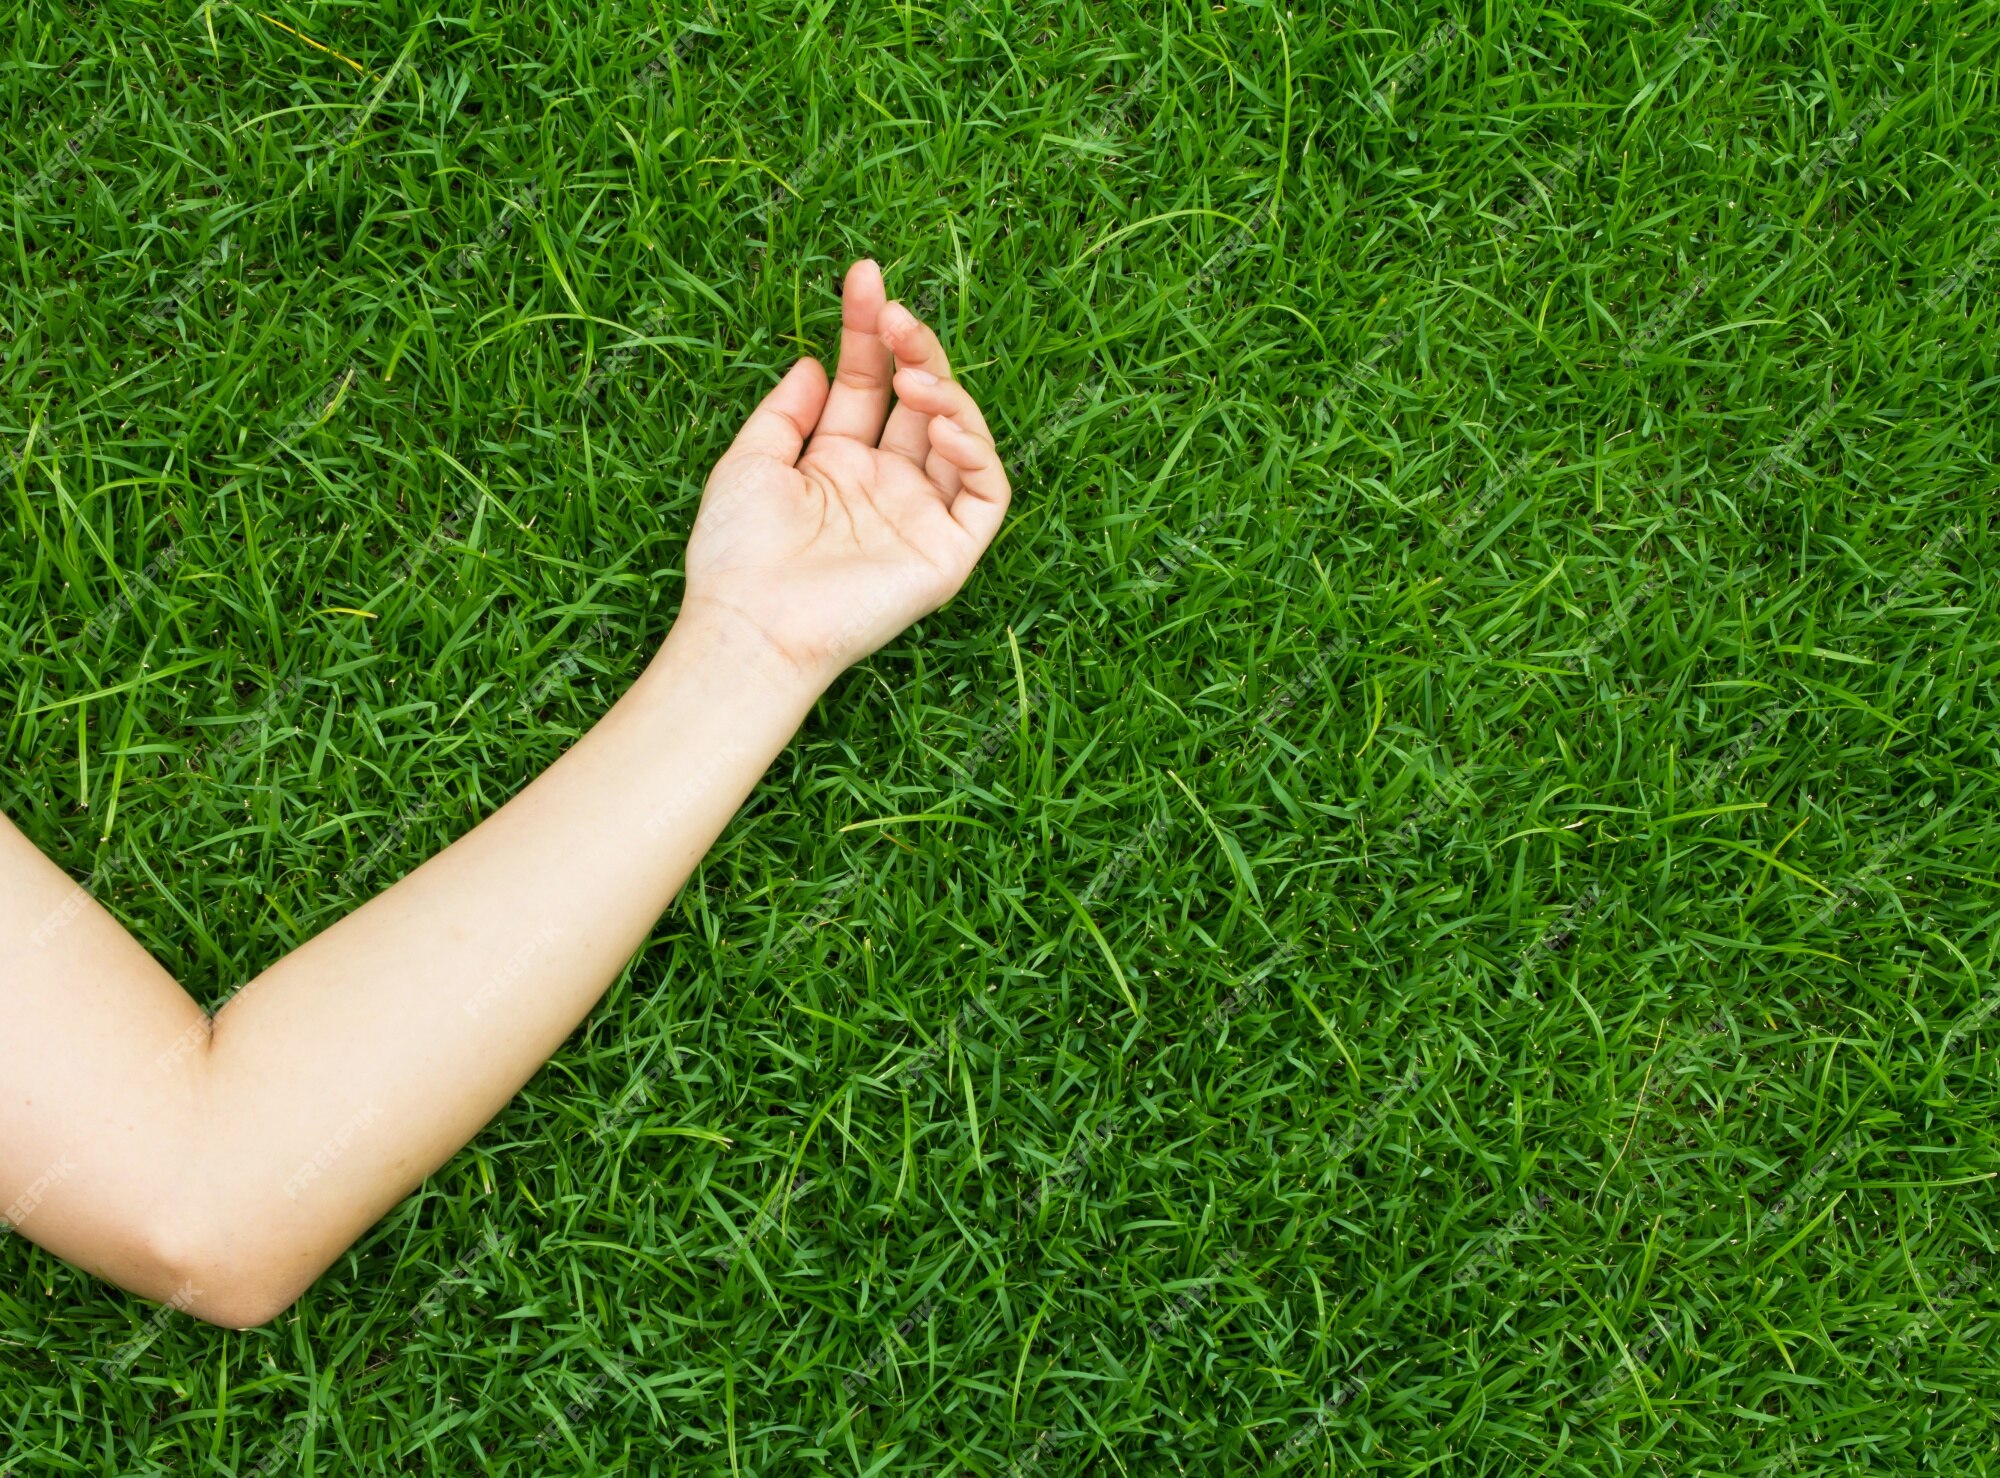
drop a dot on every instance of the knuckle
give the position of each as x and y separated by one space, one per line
861 377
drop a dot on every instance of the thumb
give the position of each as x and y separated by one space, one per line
786 416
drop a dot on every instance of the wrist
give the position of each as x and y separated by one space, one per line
728 654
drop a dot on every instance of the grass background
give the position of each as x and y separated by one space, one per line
1428 909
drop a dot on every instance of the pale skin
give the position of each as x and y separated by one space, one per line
222 1164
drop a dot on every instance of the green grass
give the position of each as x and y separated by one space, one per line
1469 958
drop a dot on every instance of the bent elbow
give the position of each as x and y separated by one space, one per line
213 1277
240 1308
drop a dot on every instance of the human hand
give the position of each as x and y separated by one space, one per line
833 521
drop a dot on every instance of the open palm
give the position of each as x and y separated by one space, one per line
834 521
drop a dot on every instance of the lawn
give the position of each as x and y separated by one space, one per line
1430 909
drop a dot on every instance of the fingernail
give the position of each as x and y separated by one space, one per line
920 376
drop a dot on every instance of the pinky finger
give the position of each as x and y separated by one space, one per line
984 492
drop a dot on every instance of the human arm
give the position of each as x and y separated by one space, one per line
225 1167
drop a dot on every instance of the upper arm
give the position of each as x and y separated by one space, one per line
100 1071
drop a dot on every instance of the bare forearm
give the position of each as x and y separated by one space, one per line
357 1065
